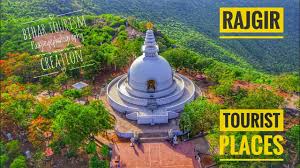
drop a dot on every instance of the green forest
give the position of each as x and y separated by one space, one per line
200 26
189 45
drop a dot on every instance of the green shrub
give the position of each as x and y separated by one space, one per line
95 162
56 107
260 99
293 135
3 160
91 148
13 148
298 105
199 115
18 162
224 89
105 151
2 148
38 158
57 146
72 93
288 82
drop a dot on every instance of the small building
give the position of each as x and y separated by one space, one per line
79 85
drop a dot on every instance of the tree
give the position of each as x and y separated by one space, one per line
20 109
96 163
20 64
73 93
3 159
224 88
110 54
132 21
178 57
298 105
230 96
95 57
57 107
74 73
2 147
91 147
33 88
18 162
185 122
108 30
260 99
13 148
3 155
288 82
122 28
86 92
48 84
36 131
293 135
105 151
38 158
61 79
16 102
133 47
200 115
75 123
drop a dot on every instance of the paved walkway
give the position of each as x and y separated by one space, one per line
155 155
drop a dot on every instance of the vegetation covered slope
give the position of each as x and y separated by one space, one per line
200 16
108 44
203 17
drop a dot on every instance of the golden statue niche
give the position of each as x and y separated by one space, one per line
149 25
151 85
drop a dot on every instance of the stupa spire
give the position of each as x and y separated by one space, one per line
150 48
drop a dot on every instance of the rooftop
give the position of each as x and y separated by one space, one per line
79 85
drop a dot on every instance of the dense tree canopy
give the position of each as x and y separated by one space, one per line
10 155
199 116
260 99
19 162
75 123
293 136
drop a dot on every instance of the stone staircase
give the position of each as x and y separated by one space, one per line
153 137
152 104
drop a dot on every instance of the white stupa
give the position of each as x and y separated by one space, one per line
151 92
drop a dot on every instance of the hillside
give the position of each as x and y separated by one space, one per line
49 112
202 17
199 17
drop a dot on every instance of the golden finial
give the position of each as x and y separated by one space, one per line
149 25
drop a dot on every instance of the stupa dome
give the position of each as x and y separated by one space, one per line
150 66
144 69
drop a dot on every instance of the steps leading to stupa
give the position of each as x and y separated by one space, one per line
152 104
152 134
153 137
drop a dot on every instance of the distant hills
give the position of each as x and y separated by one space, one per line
192 23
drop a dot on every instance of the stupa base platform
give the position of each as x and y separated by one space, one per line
157 110
125 128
